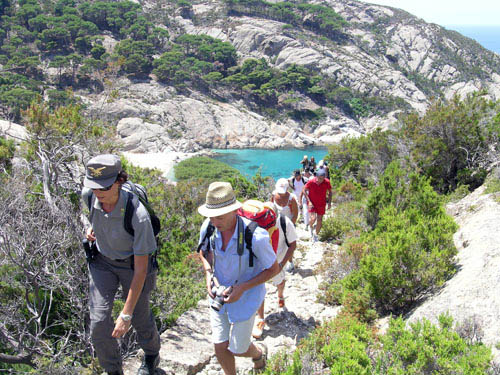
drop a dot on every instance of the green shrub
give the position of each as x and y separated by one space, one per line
492 185
206 168
403 189
7 149
347 346
424 348
448 139
410 254
348 219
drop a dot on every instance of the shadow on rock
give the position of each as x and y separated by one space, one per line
286 323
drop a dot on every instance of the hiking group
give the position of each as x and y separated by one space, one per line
241 247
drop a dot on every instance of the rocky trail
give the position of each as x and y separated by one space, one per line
186 347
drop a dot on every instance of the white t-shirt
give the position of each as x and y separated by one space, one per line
298 185
291 236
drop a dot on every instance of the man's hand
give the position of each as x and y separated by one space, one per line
233 293
121 328
90 234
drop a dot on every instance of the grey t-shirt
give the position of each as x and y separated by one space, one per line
112 239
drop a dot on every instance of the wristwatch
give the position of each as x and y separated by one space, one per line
126 317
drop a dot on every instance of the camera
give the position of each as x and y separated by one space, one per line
90 250
218 301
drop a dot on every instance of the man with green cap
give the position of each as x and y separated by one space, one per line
121 259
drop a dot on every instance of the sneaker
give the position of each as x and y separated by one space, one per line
290 267
259 364
119 372
149 365
315 237
258 330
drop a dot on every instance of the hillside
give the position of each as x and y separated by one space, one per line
183 76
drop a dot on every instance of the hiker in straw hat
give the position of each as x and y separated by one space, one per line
235 286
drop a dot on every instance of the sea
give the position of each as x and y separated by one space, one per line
281 163
274 163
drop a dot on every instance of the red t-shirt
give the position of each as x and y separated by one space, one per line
317 193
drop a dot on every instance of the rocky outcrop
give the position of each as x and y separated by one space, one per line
150 118
13 131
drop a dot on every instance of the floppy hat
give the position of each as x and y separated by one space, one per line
220 200
281 186
101 171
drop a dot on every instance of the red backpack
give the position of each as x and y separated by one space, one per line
262 213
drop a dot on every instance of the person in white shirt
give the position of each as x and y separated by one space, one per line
286 202
284 253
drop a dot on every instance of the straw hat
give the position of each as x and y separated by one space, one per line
220 200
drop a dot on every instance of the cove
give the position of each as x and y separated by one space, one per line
275 163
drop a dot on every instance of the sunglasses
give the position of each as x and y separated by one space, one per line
106 188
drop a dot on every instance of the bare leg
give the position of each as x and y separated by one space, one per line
225 358
281 288
252 352
319 224
260 311
312 218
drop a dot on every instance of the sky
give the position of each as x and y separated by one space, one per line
450 12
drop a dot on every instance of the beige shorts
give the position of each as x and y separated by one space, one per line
238 334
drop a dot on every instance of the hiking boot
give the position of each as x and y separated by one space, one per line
258 330
149 365
259 364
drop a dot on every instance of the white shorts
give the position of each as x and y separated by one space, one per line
238 334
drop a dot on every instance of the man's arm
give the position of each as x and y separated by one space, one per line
295 210
140 272
207 266
233 294
329 198
289 254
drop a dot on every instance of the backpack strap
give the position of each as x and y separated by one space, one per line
208 236
90 205
129 212
283 227
249 230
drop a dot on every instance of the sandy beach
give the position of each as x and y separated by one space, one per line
164 161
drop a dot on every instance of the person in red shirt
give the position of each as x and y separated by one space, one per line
318 193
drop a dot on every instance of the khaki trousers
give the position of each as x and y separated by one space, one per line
105 276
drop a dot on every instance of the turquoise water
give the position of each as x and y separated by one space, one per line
275 163
487 36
